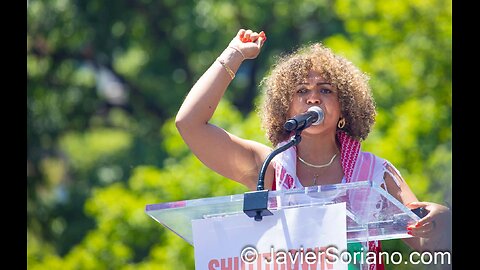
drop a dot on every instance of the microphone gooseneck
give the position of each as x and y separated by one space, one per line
255 203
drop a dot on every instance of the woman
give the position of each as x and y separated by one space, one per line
329 153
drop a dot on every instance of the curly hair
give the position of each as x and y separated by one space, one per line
354 94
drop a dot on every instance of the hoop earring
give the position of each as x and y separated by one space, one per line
341 123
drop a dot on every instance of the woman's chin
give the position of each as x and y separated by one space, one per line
319 130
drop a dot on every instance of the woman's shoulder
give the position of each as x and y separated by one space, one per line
370 157
378 167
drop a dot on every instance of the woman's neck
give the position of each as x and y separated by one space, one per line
317 149
318 161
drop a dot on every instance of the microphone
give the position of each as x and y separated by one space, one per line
313 116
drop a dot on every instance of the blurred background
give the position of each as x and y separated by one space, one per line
106 78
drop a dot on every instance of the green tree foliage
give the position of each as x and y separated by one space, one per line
105 79
406 48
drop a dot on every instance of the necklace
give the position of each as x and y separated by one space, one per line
318 166
315 176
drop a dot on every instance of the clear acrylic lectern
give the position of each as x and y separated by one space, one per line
372 213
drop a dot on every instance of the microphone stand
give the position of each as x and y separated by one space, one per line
255 203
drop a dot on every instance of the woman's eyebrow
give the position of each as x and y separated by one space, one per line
320 83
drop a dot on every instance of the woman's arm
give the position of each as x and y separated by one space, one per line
225 153
432 232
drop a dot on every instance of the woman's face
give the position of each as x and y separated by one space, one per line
315 91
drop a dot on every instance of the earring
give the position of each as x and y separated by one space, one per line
341 123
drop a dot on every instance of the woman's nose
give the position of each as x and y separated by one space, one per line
314 97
